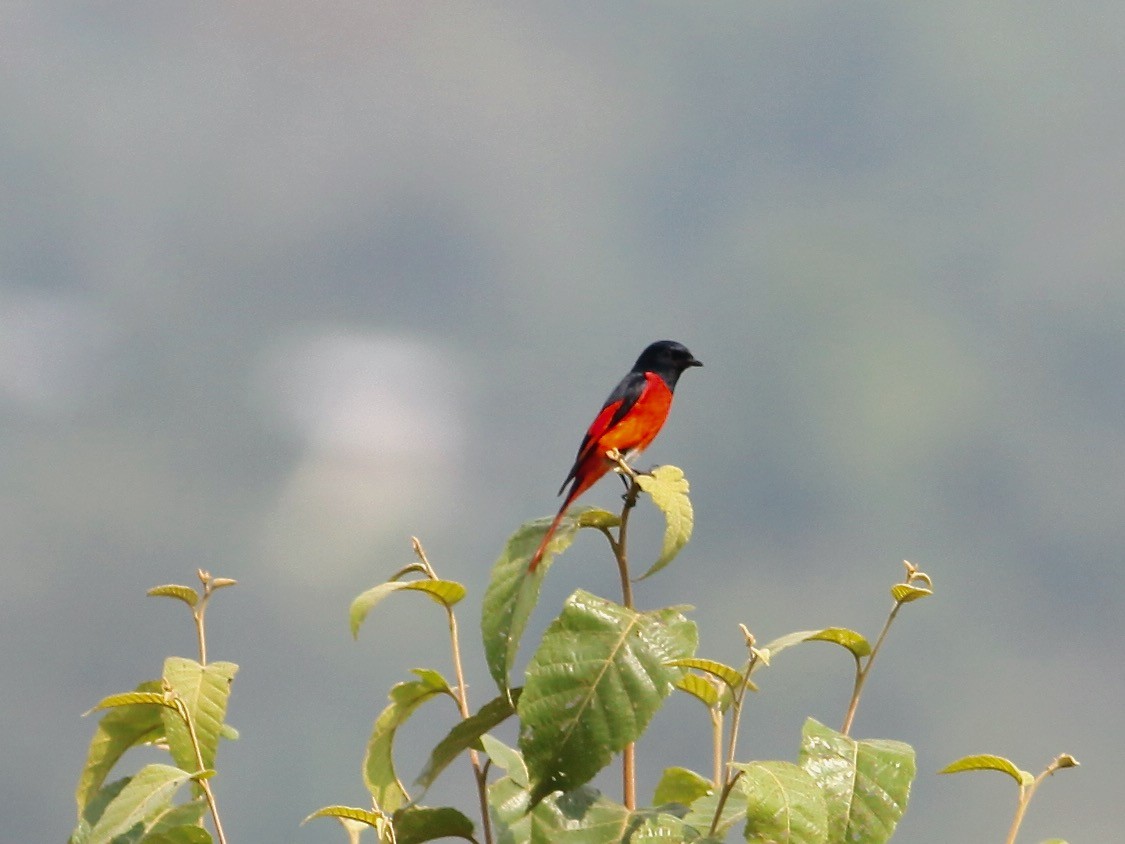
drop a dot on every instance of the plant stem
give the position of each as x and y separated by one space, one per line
863 670
1028 791
619 546
480 775
199 629
204 784
736 718
723 795
717 746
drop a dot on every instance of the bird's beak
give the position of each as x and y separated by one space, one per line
694 362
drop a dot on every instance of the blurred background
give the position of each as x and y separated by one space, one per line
282 284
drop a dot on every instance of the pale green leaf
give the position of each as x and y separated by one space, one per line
378 763
680 785
842 636
146 793
173 590
466 734
444 592
989 762
668 488
123 727
784 805
204 691
513 591
507 759
599 675
866 783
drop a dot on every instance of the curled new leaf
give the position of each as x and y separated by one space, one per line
173 590
989 762
669 491
364 816
845 638
904 593
444 592
731 676
700 688
131 699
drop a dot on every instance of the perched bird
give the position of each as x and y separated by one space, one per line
629 421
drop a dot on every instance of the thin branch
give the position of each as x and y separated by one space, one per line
480 774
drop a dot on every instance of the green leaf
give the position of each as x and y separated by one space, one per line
513 591
464 735
866 784
700 688
679 785
507 759
784 805
179 835
731 676
581 816
378 763
204 691
416 824
365 816
988 762
146 793
668 488
124 726
95 806
842 636
180 815
654 826
509 803
904 593
599 675
703 811
444 592
595 517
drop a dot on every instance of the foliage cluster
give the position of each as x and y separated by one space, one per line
599 673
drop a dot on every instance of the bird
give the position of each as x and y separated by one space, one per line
627 424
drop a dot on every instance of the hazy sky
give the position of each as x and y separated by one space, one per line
283 284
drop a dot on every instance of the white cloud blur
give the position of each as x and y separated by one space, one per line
380 421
